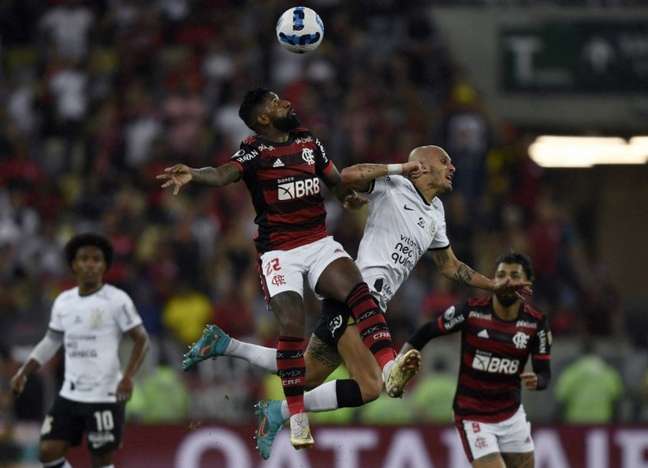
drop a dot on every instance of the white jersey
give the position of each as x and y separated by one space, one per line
93 326
400 228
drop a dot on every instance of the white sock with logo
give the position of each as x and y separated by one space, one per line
322 398
253 353
387 368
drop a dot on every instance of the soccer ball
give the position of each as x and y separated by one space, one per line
300 30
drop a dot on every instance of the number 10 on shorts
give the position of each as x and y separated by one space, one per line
104 420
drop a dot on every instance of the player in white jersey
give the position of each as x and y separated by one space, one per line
89 320
406 219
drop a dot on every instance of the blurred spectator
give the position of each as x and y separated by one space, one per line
186 313
466 135
589 390
9 449
160 397
68 26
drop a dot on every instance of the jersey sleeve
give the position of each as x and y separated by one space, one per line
55 322
541 353
246 158
126 314
322 163
440 240
378 186
451 320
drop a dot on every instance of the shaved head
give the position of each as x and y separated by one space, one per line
426 153
437 169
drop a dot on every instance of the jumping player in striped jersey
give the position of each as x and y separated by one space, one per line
498 334
282 166
406 221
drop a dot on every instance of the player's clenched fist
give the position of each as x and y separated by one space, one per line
413 169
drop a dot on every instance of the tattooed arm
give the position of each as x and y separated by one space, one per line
359 176
453 268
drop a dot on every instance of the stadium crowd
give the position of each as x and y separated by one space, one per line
97 97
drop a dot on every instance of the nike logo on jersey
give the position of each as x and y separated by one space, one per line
408 208
278 163
483 334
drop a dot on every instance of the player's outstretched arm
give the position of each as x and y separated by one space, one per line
450 321
453 268
42 353
180 175
141 345
359 176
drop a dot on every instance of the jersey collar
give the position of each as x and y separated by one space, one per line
418 191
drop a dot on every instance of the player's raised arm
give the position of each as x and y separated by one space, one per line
360 176
180 174
42 353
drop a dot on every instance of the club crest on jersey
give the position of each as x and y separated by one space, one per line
520 340
298 189
96 318
308 156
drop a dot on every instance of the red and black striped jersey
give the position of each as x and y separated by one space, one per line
493 355
284 182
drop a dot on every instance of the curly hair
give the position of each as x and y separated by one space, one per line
88 239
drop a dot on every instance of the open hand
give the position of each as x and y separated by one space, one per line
176 176
521 288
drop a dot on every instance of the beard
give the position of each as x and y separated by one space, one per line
507 299
287 123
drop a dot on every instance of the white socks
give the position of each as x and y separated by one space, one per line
255 354
322 398
386 369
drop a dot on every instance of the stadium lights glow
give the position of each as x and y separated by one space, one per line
572 151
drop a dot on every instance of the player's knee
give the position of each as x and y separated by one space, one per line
48 452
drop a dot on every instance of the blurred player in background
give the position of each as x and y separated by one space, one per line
89 320
406 220
282 165
497 336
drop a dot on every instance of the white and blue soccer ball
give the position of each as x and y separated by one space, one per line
300 30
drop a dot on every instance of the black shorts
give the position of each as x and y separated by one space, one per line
102 422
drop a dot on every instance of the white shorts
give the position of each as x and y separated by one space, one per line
512 435
284 270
